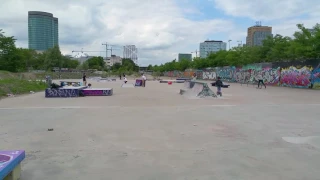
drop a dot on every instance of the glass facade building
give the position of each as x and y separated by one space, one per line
43 30
208 47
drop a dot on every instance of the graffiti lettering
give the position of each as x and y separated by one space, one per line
293 77
97 92
209 75
62 92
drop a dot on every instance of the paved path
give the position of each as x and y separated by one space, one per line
154 133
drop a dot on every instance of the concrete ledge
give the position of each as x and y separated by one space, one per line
173 81
97 92
10 164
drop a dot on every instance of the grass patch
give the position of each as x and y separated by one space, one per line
20 86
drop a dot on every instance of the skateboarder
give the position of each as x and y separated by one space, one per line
219 84
84 79
260 80
125 80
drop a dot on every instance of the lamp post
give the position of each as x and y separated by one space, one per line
240 42
229 43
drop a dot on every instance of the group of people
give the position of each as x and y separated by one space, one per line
144 78
219 84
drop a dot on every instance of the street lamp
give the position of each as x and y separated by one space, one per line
229 43
240 42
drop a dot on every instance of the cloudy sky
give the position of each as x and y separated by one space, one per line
159 28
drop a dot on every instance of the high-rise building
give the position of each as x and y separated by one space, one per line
256 34
184 56
208 47
43 30
130 52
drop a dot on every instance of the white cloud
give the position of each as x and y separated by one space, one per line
268 9
157 28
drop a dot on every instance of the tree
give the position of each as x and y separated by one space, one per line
96 63
10 59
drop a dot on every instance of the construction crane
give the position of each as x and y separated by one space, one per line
97 51
196 51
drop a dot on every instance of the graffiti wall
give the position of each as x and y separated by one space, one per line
315 78
272 74
226 73
209 75
294 77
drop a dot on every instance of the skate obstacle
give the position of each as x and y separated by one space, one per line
97 92
10 164
184 79
71 91
138 82
127 85
197 89
173 81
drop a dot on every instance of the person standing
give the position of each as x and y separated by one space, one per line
144 79
219 84
125 80
260 80
120 76
84 79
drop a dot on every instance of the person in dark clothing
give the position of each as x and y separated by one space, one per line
120 76
124 75
219 84
84 79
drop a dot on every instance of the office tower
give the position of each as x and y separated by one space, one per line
43 30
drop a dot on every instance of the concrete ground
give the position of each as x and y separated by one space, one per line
154 133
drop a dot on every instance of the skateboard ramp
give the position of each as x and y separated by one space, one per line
199 89
128 85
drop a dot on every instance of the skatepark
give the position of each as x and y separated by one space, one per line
153 132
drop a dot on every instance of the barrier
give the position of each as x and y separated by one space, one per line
198 89
65 91
10 164
173 81
97 92
138 82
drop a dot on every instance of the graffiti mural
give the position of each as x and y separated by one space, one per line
199 74
293 77
226 73
97 92
188 74
315 79
62 92
209 75
242 75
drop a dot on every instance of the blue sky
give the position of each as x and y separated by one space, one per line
160 29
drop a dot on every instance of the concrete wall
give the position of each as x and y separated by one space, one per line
289 76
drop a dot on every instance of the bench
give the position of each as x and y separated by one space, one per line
10 164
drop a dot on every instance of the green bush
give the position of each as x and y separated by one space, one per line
16 86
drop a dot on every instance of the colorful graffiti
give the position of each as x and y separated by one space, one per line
293 77
315 79
209 75
226 73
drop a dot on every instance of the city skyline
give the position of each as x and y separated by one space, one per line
159 29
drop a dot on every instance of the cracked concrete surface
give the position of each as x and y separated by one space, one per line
155 133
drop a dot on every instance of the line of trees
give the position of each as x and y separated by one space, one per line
304 45
20 59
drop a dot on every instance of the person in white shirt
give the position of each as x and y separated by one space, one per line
125 80
260 80
144 79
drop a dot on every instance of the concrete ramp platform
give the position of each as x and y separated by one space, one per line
173 81
197 89
97 92
128 85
